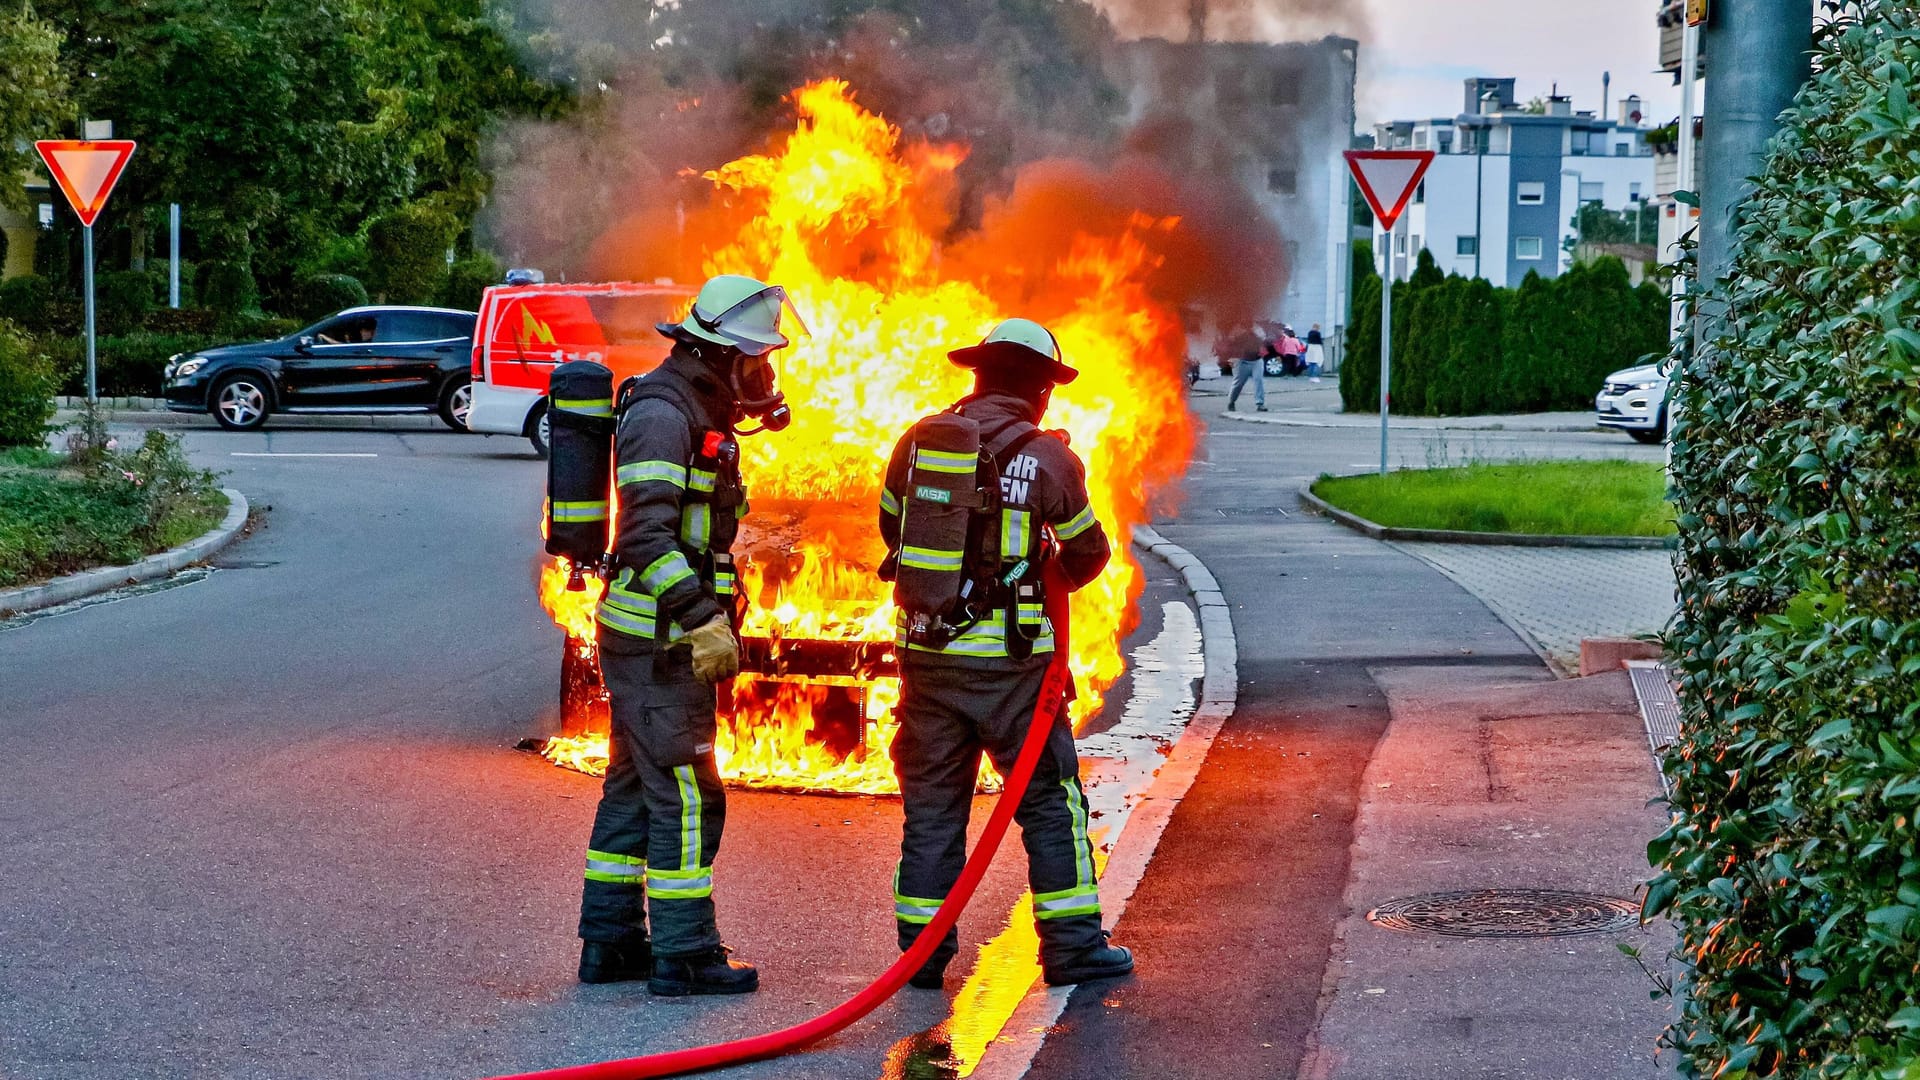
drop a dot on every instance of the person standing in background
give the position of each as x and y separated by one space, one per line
1316 353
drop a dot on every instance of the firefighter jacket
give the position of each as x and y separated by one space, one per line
677 475
1043 489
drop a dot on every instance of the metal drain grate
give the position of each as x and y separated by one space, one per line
1658 705
1251 511
1506 913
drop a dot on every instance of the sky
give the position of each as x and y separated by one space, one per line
1414 54
1418 51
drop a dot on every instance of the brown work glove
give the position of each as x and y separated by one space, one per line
716 655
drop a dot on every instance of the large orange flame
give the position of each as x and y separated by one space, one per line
850 221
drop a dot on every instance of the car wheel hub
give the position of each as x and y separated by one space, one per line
462 404
241 403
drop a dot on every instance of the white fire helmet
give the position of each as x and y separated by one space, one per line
1016 341
736 310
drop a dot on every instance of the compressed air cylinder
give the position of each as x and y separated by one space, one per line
579 460
942 493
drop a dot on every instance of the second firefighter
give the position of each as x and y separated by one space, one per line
976 500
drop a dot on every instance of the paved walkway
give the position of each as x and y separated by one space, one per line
1298 402
1555 596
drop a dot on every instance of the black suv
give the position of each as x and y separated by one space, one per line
361 360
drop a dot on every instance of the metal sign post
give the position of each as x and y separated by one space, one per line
1395 174
86 171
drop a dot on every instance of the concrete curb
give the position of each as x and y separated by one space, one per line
1013 1050
162 417
1373 423
107 578
1454 536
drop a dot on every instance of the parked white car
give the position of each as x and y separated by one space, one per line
1634 400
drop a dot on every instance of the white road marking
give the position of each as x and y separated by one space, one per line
288 453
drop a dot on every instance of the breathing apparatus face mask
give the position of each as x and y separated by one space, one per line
754 324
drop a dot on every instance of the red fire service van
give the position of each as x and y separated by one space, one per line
525 331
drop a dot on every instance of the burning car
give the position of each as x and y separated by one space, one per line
841 212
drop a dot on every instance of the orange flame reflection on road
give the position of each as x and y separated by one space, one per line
851 222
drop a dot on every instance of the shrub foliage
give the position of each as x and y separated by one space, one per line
26 389
1462 347
1792 866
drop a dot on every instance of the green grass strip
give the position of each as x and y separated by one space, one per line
1559 498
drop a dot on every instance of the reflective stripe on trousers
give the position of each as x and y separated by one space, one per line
692 881
918 910
616 869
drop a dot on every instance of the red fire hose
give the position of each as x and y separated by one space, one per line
1053 695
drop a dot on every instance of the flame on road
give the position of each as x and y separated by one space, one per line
854 223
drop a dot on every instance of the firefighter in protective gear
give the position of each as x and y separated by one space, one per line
975 692
666 637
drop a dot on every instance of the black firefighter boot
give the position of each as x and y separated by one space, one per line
1103 961
710 972
609 961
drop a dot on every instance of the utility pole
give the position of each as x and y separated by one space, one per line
1761 54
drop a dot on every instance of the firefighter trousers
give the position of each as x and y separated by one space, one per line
661 810
949 716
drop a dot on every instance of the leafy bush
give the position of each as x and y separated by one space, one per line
407 253
121 300
317 295
26 301
226 287
26 389
468 278
1462 347
57 518
186 320
128 365
1792 866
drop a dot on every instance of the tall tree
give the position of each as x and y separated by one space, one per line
33 101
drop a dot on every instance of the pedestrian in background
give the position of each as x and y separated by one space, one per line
1316 353
1291 353
1248 352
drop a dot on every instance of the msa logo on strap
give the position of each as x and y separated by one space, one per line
932 494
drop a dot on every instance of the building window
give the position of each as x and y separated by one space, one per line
1621 149
1420 193
1400 244
1420 139
1633 192
1286 87
1530 192
1443 141
1467 246
1282 181
1526 247
1592 191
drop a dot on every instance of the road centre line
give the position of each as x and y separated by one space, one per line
291 453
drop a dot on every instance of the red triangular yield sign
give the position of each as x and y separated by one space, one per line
1388 179
85 170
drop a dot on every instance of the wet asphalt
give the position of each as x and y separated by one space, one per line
268 822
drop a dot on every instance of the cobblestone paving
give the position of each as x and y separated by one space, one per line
1555 596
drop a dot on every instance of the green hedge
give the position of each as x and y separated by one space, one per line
1792 867
27 383
1462 347
316 296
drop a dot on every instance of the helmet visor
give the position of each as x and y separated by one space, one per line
752 325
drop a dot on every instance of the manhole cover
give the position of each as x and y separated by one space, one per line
1502 913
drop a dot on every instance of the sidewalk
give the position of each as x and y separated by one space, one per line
1296 402
1491 779
1393 738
